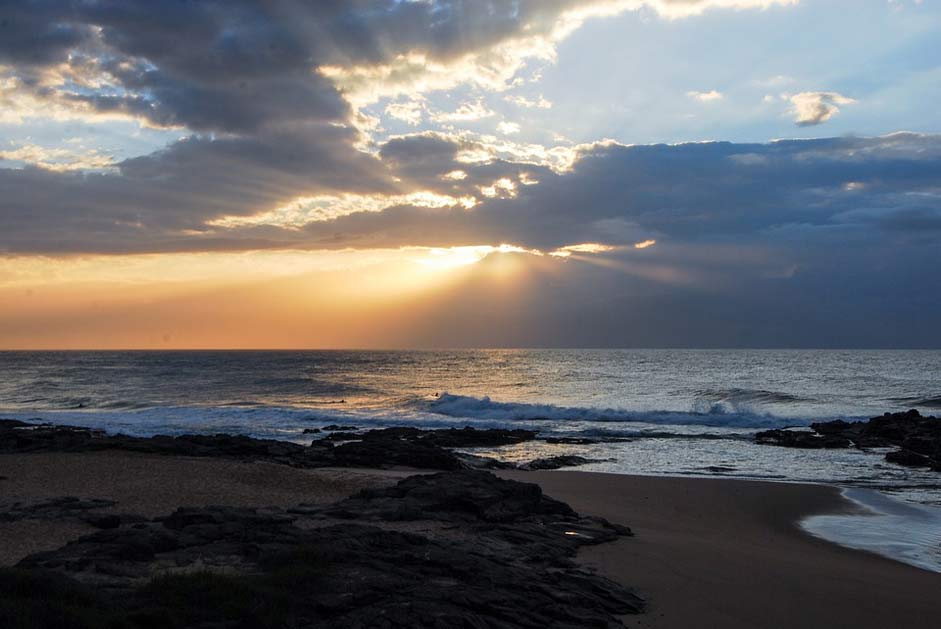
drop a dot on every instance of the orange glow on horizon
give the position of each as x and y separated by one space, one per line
262 299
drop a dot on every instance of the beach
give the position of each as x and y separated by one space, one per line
730 553
705 552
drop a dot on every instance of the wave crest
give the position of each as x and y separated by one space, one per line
715 415
737 395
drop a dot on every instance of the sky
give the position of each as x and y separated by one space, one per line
478 173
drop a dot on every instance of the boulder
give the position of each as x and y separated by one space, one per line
502 560
908 458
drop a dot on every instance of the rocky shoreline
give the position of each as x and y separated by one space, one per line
460 547
381 448
499 555
916 439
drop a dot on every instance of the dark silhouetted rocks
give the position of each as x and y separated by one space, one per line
917 438
570 440
395 452
51 509
381 448
556 462
451 497
502 558
908 458
801 439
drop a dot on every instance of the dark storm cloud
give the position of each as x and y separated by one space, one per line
161 202
425 159
240 106
846 187
237 65
243 75
242 72
831 193
32 34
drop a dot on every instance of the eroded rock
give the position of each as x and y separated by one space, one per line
556 462
918 438
503 560
51 509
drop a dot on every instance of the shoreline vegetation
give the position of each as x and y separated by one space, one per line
397 528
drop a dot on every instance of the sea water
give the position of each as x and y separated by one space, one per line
674 412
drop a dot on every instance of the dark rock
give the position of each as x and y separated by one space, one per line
385 452
449 438
14 423
459 496
918 438
908 458
555 462
343 436
311 431
831 428
801 439
335 427
507 563
411 447
112 520
51 509
570 440
474 462
473 438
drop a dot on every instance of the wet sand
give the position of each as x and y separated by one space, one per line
707 553
729 553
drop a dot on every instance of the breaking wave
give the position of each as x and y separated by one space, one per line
712 415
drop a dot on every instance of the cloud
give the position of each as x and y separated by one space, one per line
706 97
621 195
508 128
163 201
410 112
493 42
522 101
57 159
465 113
813 108
272 155
245 194
238 67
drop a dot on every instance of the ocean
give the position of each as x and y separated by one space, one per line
671 412
689 412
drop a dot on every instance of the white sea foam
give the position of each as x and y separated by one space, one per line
711 415
902 531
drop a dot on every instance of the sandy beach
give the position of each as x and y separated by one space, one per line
706 553
729 553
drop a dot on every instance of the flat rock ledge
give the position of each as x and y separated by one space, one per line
917 438
453 549
383 448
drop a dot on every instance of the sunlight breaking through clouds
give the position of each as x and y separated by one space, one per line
495 67
618 147
57 159
306 210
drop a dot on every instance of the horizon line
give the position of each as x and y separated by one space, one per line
466 349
